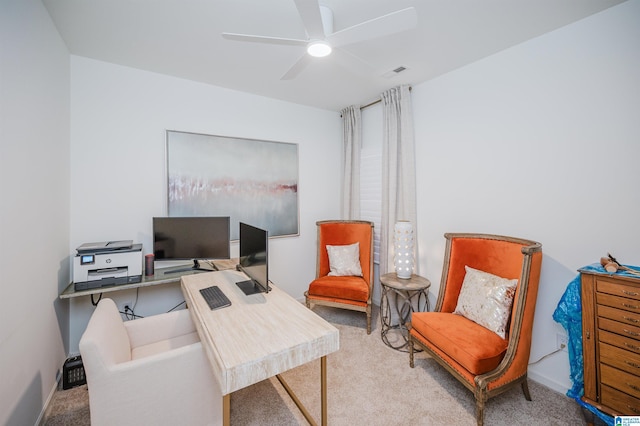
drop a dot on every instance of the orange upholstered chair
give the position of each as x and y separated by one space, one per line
346 290
483 361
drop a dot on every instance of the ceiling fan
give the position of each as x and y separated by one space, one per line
322 41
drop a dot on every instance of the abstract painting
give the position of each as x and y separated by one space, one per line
252 181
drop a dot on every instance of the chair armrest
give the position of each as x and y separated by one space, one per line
145 371
135 389
155 328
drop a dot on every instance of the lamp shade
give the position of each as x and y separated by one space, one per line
403 249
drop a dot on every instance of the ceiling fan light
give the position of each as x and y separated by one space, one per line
318 49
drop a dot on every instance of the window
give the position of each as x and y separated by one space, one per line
371 173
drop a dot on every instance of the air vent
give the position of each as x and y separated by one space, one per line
394 72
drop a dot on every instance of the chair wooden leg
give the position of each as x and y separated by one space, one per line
479 411
525 389
411 352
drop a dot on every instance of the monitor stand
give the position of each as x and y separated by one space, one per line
197 266
250 287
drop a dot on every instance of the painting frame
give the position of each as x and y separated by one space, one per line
254 181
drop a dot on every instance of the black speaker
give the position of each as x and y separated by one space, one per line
73 373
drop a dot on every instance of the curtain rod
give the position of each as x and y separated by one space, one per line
372 103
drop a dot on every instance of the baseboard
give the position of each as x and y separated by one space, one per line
45 407
545 381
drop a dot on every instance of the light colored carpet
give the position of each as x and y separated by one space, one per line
369 384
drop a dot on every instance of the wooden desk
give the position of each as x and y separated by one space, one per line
258 336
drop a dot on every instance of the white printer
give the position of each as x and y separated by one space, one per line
107 263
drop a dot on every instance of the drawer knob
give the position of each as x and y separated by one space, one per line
634 387
634 409
630 319
630 306
630 293
632 364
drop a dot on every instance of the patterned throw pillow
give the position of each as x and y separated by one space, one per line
486 299
344 260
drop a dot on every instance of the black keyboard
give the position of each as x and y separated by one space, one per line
214 297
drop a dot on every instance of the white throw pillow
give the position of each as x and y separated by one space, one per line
344 260
486 299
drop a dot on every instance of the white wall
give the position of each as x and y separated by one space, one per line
34 225
118 177
541 141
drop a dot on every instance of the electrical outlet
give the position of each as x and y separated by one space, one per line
562 341
124 304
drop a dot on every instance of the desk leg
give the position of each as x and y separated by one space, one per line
323 395
226 410
323 389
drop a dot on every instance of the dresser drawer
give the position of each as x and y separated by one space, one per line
626 330
618 302
621 380
616 288
618 315
619 341
619 358
619 402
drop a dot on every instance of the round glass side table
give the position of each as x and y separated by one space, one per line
406 296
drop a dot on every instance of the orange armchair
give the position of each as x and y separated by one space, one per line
346 291
484 362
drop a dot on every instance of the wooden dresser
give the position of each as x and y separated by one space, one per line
611 342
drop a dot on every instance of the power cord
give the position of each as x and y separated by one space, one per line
129 311
175 307
562 346
129 314
94 302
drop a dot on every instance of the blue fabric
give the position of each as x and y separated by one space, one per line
568 313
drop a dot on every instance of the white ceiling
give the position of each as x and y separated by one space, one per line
183 38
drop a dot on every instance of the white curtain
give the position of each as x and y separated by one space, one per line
398 172
352 142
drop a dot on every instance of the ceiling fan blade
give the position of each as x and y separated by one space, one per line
352 63
309 11
297 67
264 39
394 22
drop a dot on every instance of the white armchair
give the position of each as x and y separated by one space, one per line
149 371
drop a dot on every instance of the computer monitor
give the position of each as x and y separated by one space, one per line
254 259
191 238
